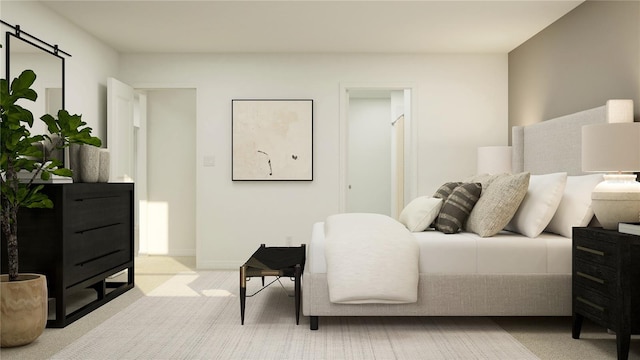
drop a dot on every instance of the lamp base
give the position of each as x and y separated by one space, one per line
616 199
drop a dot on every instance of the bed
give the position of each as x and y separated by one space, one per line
505 274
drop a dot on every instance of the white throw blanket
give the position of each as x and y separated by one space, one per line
371 258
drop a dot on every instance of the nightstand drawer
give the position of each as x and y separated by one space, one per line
594 276
593 305
595 250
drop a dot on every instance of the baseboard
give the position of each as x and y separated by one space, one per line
218 265
172 252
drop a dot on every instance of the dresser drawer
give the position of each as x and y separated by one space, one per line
92 252
595 306
83 271
595 276
93 212
594 249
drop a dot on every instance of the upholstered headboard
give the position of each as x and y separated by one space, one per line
554 145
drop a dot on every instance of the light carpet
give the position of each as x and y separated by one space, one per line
196 315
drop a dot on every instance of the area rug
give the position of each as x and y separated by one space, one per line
196 315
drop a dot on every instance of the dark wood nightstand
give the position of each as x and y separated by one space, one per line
606 283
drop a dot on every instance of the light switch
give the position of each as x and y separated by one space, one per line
209 161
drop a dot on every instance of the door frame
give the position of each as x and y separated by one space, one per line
410 138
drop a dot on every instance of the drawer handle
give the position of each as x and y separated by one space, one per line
96 228
595 252
83 263
587 302
592 278
97 198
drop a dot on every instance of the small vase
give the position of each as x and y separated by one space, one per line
105 159
24 309
89 163
74 161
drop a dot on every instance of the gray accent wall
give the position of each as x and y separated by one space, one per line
588 56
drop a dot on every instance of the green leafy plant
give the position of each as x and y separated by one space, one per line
21 153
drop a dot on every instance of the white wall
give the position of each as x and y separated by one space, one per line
87 69
461 104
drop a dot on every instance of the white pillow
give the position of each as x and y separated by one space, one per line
575 206
420 213
539 204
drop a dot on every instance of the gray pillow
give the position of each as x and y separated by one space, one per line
484 179
446 189
457 207
497 204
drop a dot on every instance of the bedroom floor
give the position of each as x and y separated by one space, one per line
547 337
550 338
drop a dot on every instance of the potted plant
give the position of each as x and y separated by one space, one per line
21 154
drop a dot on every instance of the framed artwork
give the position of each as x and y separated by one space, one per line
272 140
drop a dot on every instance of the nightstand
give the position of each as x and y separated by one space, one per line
606 283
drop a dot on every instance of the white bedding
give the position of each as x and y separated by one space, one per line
370 258
467 253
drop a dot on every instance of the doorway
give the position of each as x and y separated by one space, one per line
377 148
152 138
170 172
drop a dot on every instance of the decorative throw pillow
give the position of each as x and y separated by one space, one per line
446 189
575 206
457 207
484 179
497 204
539 204
420 213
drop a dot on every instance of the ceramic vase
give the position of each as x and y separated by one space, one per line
89 163
105 159
23 306
74 161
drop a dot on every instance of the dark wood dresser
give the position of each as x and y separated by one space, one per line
86 238
606 283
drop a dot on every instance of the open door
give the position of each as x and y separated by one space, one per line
120 102
122 146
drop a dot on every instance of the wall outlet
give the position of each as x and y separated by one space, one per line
288 240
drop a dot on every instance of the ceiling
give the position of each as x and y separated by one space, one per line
162 26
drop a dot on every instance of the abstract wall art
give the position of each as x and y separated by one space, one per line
272 139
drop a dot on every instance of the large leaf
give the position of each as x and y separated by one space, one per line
21 86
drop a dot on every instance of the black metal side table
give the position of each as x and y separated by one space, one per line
273 261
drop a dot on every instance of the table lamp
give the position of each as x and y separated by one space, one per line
619 110
613 149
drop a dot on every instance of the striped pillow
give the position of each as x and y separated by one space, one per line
457 207
446 189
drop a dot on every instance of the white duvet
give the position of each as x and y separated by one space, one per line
371 258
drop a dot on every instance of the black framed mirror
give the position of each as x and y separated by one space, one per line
24 51
22 54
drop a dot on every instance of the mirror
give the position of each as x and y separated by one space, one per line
22 54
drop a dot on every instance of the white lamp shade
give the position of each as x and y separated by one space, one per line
494 159
619 110
611 147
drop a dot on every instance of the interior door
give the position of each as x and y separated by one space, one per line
369 155
120 105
